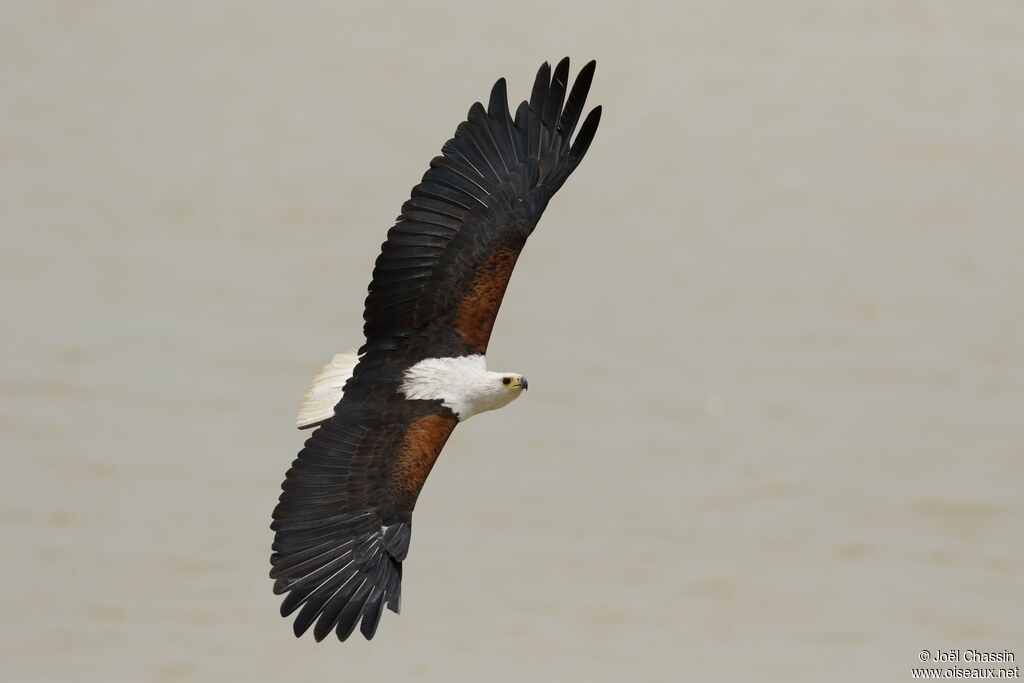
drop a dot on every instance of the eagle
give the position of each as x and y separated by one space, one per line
382 414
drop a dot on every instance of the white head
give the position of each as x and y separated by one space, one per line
493 390
463 384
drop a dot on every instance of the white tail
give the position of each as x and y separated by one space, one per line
326 389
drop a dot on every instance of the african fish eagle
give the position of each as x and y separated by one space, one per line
382 415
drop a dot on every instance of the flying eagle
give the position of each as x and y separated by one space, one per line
382 415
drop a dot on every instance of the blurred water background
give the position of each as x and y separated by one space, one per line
773 329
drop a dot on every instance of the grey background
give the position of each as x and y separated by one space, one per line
772 328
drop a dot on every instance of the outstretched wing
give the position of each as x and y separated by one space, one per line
442 273
344 518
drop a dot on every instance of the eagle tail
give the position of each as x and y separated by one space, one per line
325 390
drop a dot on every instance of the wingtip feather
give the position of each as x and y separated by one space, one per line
586 135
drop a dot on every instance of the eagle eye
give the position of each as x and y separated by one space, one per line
506 380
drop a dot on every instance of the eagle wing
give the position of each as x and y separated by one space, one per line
441 274
344 517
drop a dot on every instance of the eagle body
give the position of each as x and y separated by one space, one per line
463 384
381 415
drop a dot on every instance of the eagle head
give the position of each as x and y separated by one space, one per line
464 384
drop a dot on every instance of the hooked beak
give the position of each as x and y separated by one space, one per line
523 383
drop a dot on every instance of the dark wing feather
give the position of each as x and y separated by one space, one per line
574 105
483 196
500 124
